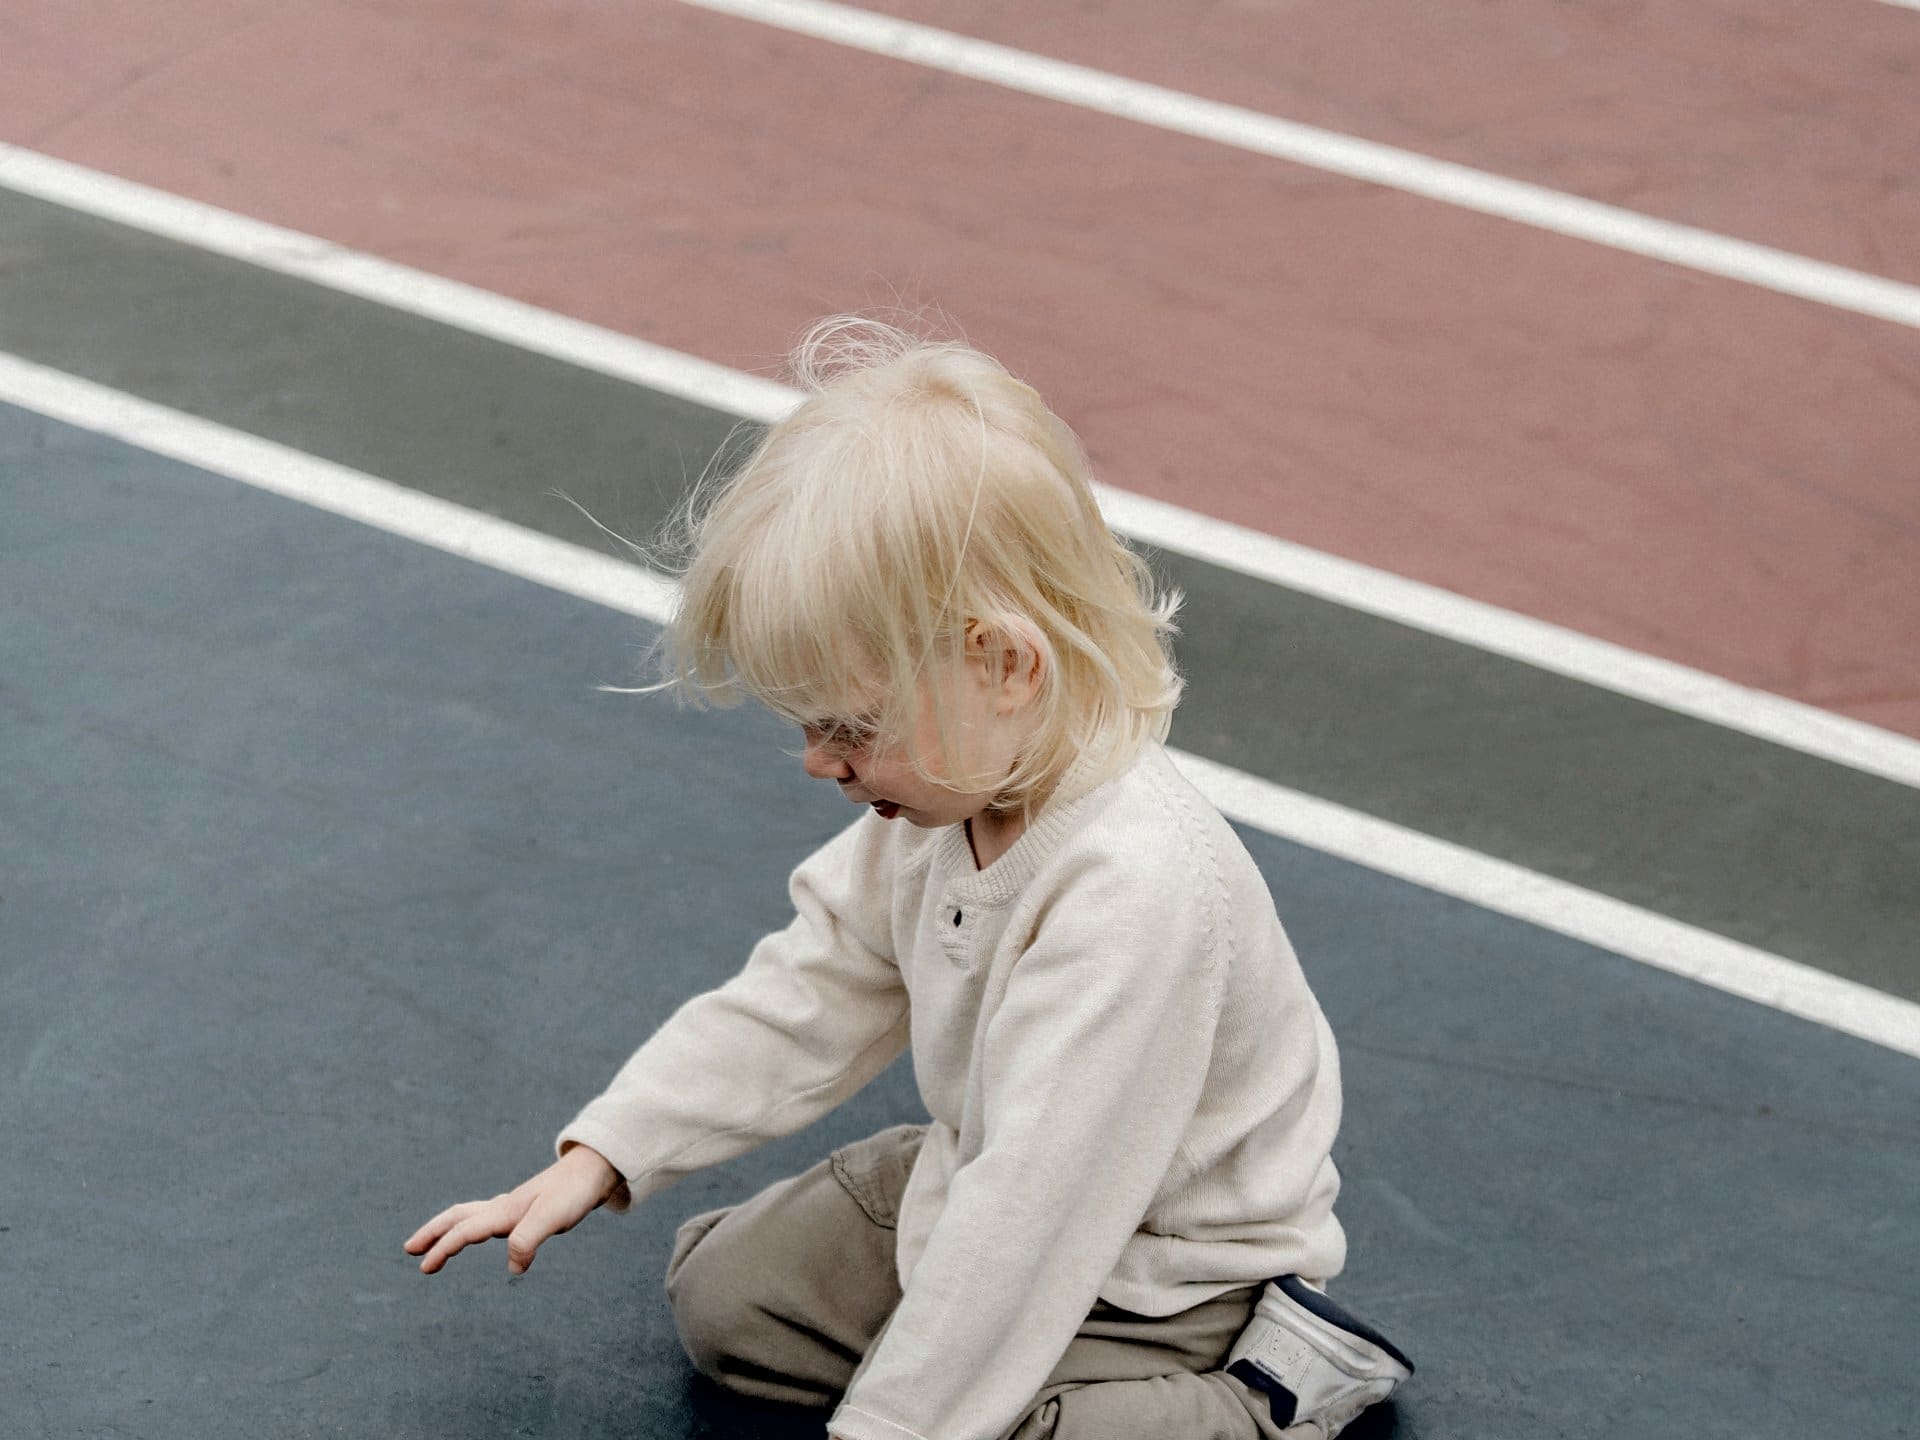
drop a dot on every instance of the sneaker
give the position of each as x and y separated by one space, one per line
1318 1365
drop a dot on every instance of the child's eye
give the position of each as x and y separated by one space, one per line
841 734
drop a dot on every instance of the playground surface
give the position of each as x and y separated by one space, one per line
331 883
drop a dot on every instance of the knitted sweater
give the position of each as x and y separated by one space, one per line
1133 1092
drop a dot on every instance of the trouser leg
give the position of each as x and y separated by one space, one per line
1138 1377
780 1297
784 1296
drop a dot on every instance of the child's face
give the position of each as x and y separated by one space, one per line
986 719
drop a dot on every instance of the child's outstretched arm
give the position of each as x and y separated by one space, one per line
818 1011
550 1203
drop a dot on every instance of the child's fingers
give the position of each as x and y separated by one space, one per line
521 1245
467 1232
544 1219
494 1217
438 1226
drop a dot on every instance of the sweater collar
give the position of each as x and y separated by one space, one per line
1007 876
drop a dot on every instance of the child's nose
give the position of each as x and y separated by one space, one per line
823 762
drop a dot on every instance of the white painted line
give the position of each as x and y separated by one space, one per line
321 262
338 489
1338 154
1655 940
1904 4
1545 646
1408 602
1439 865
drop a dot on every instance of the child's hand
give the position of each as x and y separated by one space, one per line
551 1203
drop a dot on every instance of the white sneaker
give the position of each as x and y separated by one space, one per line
1318 1365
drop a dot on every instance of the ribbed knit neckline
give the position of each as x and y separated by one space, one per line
1008 875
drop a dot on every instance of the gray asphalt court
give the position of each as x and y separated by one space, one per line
330 886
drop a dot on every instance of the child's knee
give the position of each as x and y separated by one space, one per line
690 1234
707 1293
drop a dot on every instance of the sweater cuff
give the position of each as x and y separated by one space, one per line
607 1144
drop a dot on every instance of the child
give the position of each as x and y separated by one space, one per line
1133 1091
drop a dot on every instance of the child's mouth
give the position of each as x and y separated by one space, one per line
885 809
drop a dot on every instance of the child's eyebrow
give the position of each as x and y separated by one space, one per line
842 722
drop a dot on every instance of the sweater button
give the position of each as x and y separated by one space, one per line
956 917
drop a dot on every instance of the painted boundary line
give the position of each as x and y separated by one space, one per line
1338 154
1407 602
1538 643
1498 885
1652 939
381 504
321 262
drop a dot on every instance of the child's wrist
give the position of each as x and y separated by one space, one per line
585 1158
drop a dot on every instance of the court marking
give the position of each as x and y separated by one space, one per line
1613 925
338 489
1389 166
1539 643
321 262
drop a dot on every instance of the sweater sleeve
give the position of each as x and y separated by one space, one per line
1093 1067
817 1012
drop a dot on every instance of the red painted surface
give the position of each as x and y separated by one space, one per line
1691 467
1791 123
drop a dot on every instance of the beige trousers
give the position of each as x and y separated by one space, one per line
783 1298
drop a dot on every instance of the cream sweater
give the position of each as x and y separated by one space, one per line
1133 1092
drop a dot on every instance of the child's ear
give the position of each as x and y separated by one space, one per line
1016 656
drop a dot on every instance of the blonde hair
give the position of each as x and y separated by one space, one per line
919 489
